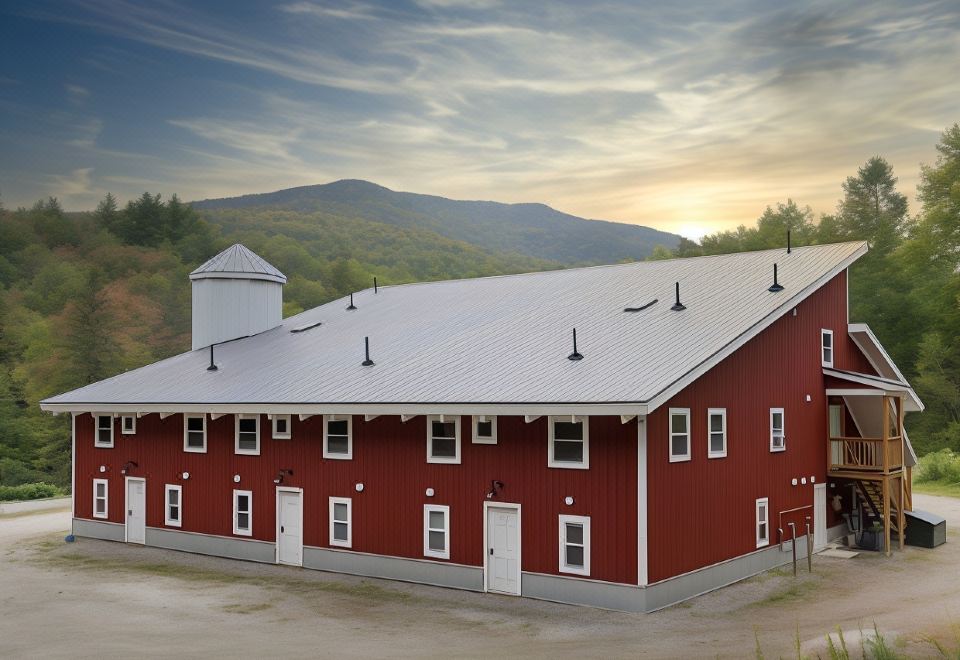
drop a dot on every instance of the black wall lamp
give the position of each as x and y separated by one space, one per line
128 467
495 487
279 478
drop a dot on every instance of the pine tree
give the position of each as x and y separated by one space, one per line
872 209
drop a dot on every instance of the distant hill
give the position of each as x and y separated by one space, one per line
534 230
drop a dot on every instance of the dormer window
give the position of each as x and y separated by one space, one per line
826 348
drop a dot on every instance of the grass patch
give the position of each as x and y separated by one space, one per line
797 589
24 514
943 488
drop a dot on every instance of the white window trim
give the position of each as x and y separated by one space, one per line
96 431
427 552
236 497
106 498
273 427
476 439
187 447
167 520
678 458
349 503
338 418
723 415
236 436
765 502
577 520
783 429
123 424
824 333
569 465
449 460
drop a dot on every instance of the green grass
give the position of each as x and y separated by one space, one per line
937 488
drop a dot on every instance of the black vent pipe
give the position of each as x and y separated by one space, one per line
212 366
776 286
678 306
576 354
366 349
351 307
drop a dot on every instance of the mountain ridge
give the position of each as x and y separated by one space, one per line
529 228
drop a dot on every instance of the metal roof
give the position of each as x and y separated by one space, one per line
495 341
238 262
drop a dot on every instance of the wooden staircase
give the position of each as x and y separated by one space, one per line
872 494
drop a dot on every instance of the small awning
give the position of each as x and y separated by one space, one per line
868 384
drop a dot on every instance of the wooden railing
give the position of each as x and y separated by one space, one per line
866 454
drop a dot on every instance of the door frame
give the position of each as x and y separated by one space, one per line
486 544
821 487
276 548
126 508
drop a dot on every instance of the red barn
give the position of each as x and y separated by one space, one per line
623 436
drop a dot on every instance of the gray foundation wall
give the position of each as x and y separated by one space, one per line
571 590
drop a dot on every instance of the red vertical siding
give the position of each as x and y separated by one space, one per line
389 458
702 511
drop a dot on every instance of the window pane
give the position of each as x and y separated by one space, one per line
195 424
338 427
340 511
248 425
575 533
444 429
778 420
339 531
574 555
444 448
195 439
437 541
827 340
484 429
437 520
678 424
103 436
678 445
248 441
716 442
174 513
173 496
716 422
337 445
104 422
568 452
281 425
101 490
828 354
567 431
243 503
243 521
128 423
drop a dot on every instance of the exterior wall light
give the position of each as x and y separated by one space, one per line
429 492
279 478
185 476
793 482
103 468
359 488
568 500
128 467
236 478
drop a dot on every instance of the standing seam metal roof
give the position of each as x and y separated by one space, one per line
498 340
238 261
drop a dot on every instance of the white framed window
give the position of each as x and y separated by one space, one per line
195 433
679 434
436 531
575 545
778 437
341 521
826 347
128 424
443 439
484 429
173 507
101 495
568 444
763 522
243 512
338 437
281 427
716 432
104 431
247 440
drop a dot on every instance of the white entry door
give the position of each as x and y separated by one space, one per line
136 502
289 523
503 550
819 516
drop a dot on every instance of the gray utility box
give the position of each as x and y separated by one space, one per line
925 529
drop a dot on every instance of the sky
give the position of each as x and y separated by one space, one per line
690 117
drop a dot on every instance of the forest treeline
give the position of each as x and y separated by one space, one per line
907 287
86 295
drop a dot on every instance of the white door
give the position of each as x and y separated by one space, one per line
819 516
289 543
136 510
503 550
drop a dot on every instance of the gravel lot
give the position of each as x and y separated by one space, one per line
95 598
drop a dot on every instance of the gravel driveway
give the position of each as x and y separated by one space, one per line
96 598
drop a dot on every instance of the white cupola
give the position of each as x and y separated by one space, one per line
235 294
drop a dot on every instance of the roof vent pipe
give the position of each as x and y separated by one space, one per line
678 306
375 285
776 287
212 366
788 241
366 349
576 354
351 306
